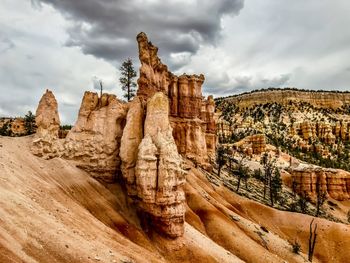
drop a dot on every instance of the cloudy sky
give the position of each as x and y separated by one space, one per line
239 45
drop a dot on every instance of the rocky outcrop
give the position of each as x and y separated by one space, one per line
325 132
47 119
93 143
14 126
224 128
254 144
159 177
192 118
335 182
94 140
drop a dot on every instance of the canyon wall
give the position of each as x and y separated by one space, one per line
325 99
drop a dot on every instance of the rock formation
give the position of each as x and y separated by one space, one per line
130 141
143 139
47 119
159 177
254 144
335 182
48 125
321 130
191 117
93 142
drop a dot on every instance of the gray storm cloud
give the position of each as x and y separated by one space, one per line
107 29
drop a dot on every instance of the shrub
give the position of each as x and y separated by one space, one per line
296 247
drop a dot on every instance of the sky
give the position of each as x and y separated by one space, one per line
239 45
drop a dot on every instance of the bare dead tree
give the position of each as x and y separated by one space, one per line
312 240
98 82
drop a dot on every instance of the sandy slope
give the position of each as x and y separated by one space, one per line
51 211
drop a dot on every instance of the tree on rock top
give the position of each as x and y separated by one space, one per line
127 79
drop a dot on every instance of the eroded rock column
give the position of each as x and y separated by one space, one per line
158 173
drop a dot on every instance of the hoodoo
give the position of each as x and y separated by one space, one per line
142 139
191 116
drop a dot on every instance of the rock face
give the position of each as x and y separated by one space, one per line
47 119
191 117
159 177
335 182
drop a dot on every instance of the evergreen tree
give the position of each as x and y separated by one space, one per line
275 186
29 123
269 166
127 80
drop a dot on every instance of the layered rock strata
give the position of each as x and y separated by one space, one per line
335 182
191 117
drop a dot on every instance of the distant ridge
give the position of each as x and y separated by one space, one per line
317 98
280 89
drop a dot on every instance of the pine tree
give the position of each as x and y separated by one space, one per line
29 123
127 80
275 186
